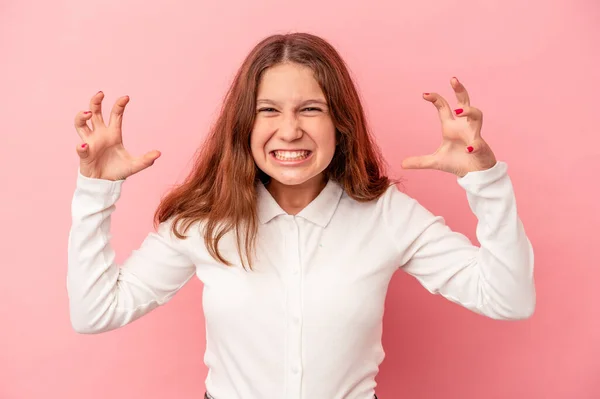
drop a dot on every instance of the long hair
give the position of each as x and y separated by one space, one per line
220 190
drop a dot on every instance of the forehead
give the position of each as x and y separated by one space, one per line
288 83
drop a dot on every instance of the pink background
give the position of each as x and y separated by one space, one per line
533 67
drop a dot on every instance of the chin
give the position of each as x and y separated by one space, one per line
293 178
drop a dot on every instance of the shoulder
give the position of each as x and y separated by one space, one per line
391 197
392 203
178 234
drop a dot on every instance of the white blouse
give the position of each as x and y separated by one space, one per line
307 322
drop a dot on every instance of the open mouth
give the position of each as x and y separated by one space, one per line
291 156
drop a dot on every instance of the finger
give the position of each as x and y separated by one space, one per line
145 161
419 162
83 150
461 93
116 115
96 108
474 114
441 104
81 126
475 146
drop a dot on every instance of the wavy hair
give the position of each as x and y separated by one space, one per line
220 191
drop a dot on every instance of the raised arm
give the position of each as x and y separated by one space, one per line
494 279
103 295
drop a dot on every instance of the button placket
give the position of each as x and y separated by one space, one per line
294 319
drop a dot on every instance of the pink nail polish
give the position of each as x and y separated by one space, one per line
458 111
83 145
426 94
87 112
470 149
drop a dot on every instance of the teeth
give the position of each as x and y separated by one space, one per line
291 155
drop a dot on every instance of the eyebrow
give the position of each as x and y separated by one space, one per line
310 101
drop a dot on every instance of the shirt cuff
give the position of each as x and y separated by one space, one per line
479 177
99 186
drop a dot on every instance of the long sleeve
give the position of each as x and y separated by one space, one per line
103 295
495 279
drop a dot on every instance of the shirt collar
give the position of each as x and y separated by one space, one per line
319 211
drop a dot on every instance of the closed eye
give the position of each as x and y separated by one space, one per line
312 109
267 109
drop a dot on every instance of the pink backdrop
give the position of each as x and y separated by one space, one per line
533 67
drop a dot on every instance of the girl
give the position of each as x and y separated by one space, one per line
295 231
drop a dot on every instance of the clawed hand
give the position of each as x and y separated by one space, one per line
102 154
462 149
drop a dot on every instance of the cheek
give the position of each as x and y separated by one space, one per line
258 140
325 137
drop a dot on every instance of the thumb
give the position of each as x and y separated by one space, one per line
419 162
83 150
146 161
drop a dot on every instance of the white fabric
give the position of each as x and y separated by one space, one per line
307 322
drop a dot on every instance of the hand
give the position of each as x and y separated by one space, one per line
462 149
102 155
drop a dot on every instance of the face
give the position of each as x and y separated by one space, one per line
293 138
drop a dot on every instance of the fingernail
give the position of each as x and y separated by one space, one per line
87 112
458 111
99 92
83 145
470 149
455 78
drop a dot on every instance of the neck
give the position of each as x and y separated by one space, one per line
292 199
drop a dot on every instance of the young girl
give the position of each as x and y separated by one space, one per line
289 221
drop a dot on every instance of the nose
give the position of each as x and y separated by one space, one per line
289 130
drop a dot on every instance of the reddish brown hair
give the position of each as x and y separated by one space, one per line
221 191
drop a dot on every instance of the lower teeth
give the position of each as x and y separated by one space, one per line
290 159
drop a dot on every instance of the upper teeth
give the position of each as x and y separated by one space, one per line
291 154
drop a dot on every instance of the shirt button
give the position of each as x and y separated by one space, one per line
295 369
295 270
296 319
